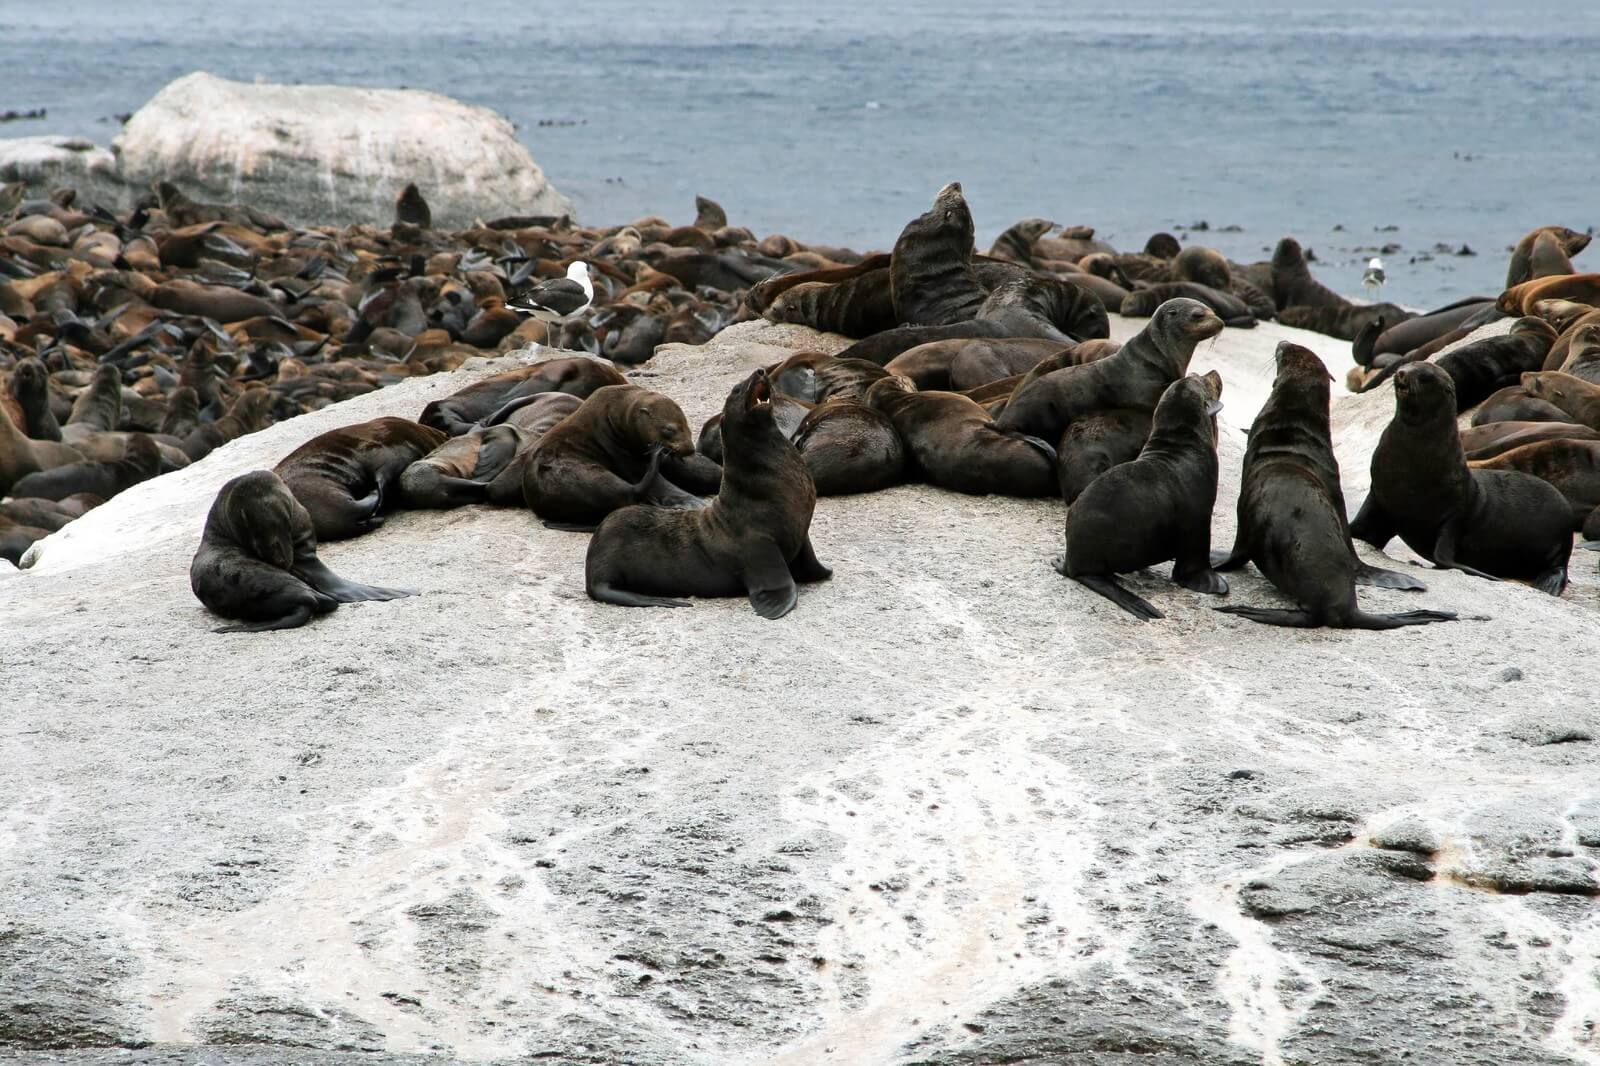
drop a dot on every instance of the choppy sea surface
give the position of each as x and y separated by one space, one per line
1420 126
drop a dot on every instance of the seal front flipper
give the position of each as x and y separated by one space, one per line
1373 525
1552 582
773 592
1268 616
1444 554
1231 560
1379 578
316 574
1109 588
1200 579
806 567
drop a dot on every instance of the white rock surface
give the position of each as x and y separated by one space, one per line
953 809
46 162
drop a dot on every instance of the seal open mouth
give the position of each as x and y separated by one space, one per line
760 391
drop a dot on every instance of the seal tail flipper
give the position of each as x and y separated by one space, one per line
1109 588
1552 582
1268 616
1230 560
605 592
293 620
1379 578
1033 442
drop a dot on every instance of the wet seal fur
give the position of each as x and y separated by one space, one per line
1489 523
1156 508
345 478
257 560
753 540
1292 522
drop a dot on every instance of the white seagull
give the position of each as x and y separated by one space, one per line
1374 278
557 300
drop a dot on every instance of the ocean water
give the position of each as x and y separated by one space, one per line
1452 121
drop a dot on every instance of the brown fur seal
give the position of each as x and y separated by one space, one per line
1016 243
345 478
980 362
1292 283
1579 288
1485 366
410 209
459 471
1569 241
857 305
478 402
30 387
1513 404
1156 508
849 448
247 415
1142 303
753 540
954 443
16 538
1291 511
258 560
1096 442
1496 438
1136 376
182 416
1204 266
137 459
98 408
605 455
787 412
934 283
1344 322
20 456
1499 523
1562 348
1579 399
1583 354
815 377
1571 466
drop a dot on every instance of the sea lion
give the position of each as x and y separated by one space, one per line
1570 242
1583 354
1344 322
850 448
345 478
410 209
605 455
763 294
978 363
1521 299
1513 404
258 562
1292 283
858 305
1135 376
1156 508
1096 442
139 459
98 408
30 387
1291 511
933 280
1571 466
954 443
1496 438
460 470
247 415
1410 334
478 402
182 416
1204 266
1579 399
1016 243
1561 350
815 377
1142 303
1484 366
753 540
787 412
1500 523
1034 305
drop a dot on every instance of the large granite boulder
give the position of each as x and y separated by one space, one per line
44 163
329 153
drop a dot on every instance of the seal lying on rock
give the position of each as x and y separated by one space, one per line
1489 523
344 478
1291 510
460 470
258 560
1156 508
480 401
954 443
753 540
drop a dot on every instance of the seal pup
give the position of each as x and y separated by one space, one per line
954 443
1156 508
1134 376
344 478
605 455
1488 523
753 540
258 562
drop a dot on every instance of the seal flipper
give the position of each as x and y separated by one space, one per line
806 567
1107 586
1269 616
1444 554
293 620
605 592
1033 442
773 592
1200 579
316 574
1363 620
1231 560
1372 525
1379 578
1552 582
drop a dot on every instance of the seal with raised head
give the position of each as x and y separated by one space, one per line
410 209
605 455
849 448
30 386
248 414
753 540
934 283
21 456
954 443
1489 523
1570 242
1156 508
1135 376
345 478
257 560
478 402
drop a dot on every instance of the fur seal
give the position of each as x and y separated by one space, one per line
858 304
135 459
933 280
787 412
605 455
247 415
1499 523
929 365
258 562
1135 376
21 456
98 408
1572 466
1291 511
1485 366
460 470
1583 353
753 540
954 443
410 209
1096 442
978 363
1016 243
1488 441
1521 299
1142 303
1569 241
1577 398
815 377
850 448
478 402
30 386
345 478
1155 508
1513 404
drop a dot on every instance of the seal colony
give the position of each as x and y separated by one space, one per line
981 373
